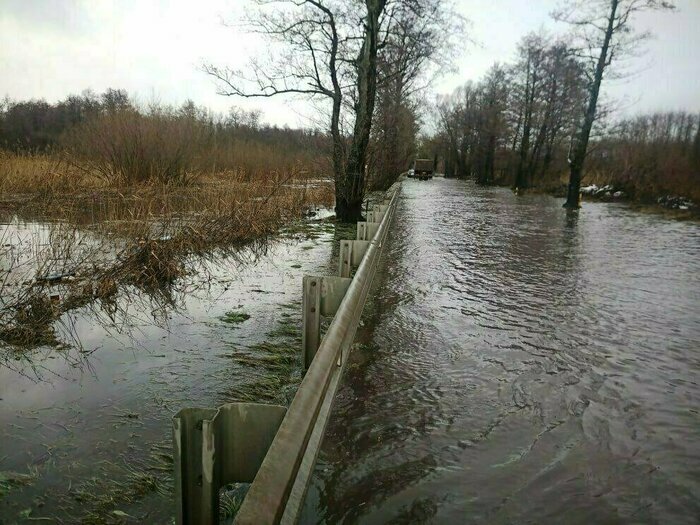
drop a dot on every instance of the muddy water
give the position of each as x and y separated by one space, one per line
85 429
522 367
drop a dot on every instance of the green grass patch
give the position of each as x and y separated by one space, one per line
102 498
10 480
235 317
291 306
286 328
275 363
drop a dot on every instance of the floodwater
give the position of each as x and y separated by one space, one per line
521 366
85 428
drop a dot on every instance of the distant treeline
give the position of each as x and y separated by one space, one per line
138 142
515 128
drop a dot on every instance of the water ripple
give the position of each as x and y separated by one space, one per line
526 367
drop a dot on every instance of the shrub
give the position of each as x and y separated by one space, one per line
127 147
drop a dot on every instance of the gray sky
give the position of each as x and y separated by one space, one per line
153 49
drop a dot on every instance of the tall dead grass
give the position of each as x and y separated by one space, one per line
647 171
126 148
42 174
145 240
136 200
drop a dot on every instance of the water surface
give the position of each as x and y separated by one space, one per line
85 428
523 366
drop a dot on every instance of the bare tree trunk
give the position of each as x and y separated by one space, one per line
350 193
521 174
541 137
490 159
338 155
696 146
394 164
578 155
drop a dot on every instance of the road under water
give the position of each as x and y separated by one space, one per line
522 366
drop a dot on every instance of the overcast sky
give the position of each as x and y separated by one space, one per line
153 49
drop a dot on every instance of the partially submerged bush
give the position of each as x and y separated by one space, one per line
31 323
127 147
99 246
152 264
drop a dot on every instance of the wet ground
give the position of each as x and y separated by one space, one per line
85 428
522 366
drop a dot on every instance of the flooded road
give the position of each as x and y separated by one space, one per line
521 366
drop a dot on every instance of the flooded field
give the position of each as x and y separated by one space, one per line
522 366
85 426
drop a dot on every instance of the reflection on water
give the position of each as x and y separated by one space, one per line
85 430
524 366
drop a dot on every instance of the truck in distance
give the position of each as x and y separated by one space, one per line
422 169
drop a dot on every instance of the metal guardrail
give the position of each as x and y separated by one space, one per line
272 447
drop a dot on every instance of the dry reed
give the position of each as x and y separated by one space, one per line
101 239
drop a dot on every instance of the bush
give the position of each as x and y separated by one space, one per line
127 147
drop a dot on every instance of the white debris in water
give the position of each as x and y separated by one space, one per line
675 202
606 192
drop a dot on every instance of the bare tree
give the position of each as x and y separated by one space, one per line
421 29
350 191
513 124
547 91
493 102
314 63
417 49
605 34
532 51
332 50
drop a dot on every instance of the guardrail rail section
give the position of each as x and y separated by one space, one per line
269 446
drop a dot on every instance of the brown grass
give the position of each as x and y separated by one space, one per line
127 147
144 236
42 174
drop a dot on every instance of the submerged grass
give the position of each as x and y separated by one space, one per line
11 480
107 497
102 497
115 488
235 317
275 364
146 237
